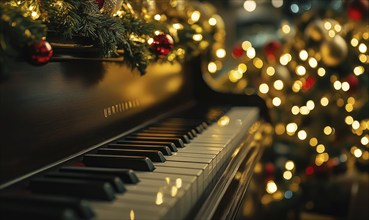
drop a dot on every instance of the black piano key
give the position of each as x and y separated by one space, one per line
114 161
154 155
171 145
115 181
130 146
183 137
153 131
79 206
76 188
25 211
177 142
126 175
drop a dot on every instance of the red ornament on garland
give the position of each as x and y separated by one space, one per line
272 50
100 3
358 9
40 53
162 44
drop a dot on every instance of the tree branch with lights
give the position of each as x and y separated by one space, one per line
139 34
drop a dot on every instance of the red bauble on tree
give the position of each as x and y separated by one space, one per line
358 9
309 82
40 53
272 50
161 44
238 51
353 81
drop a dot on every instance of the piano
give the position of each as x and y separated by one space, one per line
91 139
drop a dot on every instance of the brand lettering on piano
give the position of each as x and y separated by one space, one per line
121 107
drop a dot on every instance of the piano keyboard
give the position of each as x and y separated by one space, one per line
159 172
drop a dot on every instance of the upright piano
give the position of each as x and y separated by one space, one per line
92 139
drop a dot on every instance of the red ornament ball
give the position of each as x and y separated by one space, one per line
358 9
309 82
238 51
100 3
162 44
269 169
353 81
40 53
272 49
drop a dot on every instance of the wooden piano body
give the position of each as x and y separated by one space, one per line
52 115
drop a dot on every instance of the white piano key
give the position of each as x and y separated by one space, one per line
189 165
173 179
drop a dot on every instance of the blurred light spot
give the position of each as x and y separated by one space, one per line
290 165
302 135
303 55
264 88
278 84
212 67
324 101
288 194
313 142
276 101
249 5
287 175
271 187
295 8
221 53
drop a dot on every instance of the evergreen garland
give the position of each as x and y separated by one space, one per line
72 19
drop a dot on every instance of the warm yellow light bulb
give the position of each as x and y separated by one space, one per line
313 142
337 85
264 88
278 84
362 48
364 140
251 53
349 120
327 130
302 135
212 67
303 55
295 110
212 21
358 153
270 71
320 148
359 70
289 165
287 175
271 187
310 105
354 42
300 70
324 101
276 101
321 72
220 53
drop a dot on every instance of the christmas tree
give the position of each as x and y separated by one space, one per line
313 74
